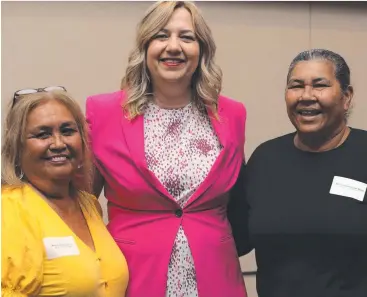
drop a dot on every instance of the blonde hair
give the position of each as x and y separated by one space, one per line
207 79
14 137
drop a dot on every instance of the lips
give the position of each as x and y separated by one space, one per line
172 61
177 60
309 112
58 158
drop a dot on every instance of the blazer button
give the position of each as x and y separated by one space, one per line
178 213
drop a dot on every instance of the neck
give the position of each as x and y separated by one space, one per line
321 142
172 95
53 190
58 196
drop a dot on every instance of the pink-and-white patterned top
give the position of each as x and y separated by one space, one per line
180 148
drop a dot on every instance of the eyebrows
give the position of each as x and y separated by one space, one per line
43 127
183 31
315 80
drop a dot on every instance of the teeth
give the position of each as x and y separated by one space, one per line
172 61
58 159
309 112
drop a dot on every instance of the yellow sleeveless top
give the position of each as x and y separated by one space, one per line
41 255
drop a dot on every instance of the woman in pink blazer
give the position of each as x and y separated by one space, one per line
168 149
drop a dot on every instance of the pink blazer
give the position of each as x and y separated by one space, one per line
144 217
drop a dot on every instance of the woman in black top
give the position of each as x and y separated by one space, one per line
306 191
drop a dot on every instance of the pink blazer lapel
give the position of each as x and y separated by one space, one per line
134 133
220 126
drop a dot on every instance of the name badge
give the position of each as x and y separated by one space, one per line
57 247
347 187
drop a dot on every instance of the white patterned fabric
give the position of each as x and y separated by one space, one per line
180 148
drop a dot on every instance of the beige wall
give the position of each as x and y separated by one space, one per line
84 47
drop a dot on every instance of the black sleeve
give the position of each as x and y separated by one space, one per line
237 212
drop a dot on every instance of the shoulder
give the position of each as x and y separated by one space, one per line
13 198
20 213
360 135
92 203
356 143
19 201
280 144
101 106
234 112
8 192
105 101
231 106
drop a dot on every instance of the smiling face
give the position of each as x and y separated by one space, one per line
52 147
173 54
314 99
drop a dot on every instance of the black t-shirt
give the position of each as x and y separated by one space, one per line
308 242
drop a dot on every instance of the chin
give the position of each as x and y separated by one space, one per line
172 78
172 75
308 129
61 173
305 127
60 176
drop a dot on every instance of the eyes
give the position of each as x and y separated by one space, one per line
46 133
186 37
317 86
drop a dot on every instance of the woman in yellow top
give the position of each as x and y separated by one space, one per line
54 242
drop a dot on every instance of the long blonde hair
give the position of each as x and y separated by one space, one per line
14 136
207 79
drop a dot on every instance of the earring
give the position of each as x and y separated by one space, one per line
21 175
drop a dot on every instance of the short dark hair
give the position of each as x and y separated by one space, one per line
342 72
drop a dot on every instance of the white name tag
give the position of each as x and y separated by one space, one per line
57 247
347 187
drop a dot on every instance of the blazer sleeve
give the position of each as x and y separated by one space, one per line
21 251
237 208
237 212
241 127
89 117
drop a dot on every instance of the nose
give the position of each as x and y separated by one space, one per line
173 45
57 143
307 94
